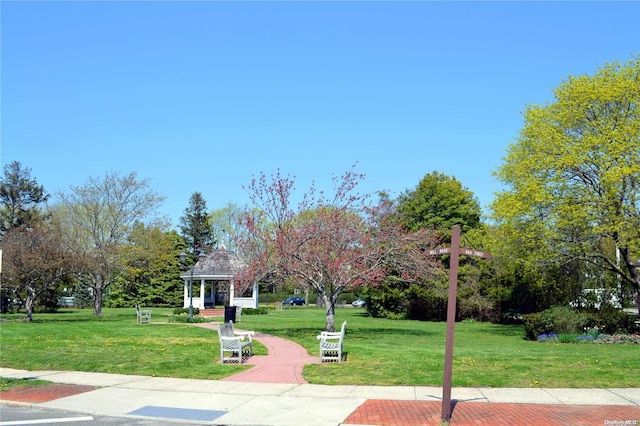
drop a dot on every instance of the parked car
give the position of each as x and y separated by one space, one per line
359 303
293 300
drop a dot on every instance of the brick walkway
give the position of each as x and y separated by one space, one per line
283 364
420 413
42 393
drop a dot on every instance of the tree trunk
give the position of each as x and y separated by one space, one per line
634 273
98 289
28 307
330 314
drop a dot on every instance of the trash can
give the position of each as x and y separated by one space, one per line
229 314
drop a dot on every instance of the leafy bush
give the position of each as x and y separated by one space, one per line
178 311
558 320
257 311
386 300
184 317
611 320
427 304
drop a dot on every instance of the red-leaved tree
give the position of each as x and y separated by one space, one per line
327 244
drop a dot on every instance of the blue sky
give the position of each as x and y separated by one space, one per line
201 96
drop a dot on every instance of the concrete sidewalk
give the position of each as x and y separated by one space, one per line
218 402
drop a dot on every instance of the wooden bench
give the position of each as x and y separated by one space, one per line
331 344
144 315
234 341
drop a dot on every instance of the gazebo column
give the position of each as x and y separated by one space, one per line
254 294
232 291
186 293
202 280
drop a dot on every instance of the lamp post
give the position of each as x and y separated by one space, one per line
183 258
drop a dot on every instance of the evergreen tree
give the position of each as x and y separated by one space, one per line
20 196
195 224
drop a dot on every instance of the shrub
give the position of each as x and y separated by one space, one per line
558 320
427 304
178 311
257 311
184 317
611 320
387 300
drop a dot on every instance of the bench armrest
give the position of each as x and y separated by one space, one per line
330 333
237 338
327 335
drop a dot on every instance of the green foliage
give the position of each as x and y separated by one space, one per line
181 311
256 311
195 225
610 320
557 320
184 317
20 198
427 304
573 179
225 223
152 270
81 296
387 299
8 383
439 202
98 219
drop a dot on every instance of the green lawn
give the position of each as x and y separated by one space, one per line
380 352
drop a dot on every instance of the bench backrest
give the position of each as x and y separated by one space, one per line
226 330
342 330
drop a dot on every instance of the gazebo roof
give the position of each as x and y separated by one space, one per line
219 263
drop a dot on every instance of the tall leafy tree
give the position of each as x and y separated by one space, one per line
21 198
226 224
573 175
195 224
150 278
98 219
439 202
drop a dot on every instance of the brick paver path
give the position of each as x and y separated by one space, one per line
43 393
283 364
421 413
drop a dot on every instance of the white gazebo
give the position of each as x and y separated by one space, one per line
216 272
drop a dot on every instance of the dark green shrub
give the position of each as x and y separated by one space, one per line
386 300
558 320
610 320
257 311
427 304
534 326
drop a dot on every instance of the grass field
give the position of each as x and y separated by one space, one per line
380 352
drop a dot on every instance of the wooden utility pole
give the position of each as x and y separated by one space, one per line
454 251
